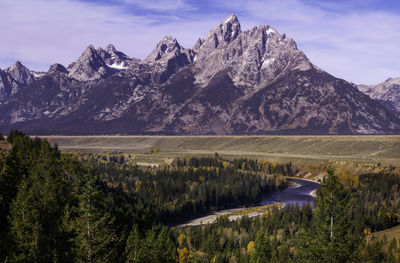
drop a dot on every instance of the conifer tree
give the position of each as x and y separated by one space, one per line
96 238
13 135
263 248
157 246
331 239
14 168
165 250
133 245
37 211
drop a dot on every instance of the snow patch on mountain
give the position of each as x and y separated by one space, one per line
118 66
270 31
267 62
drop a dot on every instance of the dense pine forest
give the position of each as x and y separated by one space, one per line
59 207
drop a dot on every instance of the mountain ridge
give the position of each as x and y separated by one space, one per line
387 93
235 82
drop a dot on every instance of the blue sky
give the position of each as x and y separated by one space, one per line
358 40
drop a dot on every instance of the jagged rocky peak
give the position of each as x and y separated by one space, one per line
225 32
57 68
168 44
103 53
115 59
167 47
17 65
89 66
13 78
111 49
115 54
251 57
167 59
230 28
20 73
96 63
90 55
218 37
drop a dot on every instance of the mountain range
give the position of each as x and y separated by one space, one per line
231 82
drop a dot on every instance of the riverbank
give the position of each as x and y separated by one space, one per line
233 214
298 192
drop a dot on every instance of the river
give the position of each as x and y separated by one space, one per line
300 192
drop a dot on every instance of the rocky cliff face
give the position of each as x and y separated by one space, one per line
167 59
253 57
387 93
232 82
13 78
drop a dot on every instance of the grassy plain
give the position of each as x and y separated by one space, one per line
353 154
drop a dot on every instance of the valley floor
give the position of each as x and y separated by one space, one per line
347 153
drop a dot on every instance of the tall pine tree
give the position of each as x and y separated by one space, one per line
133 245
331 239
37 211
96 238
263 248
157 246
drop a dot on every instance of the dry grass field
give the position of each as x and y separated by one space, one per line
351 148
350 153
390 233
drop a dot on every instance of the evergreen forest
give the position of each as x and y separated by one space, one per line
71 207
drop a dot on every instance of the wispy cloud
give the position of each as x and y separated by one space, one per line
161 5
353 39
